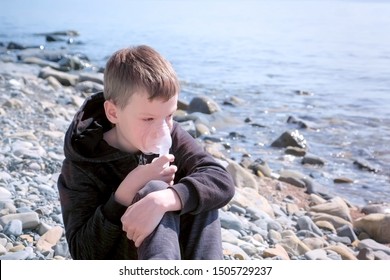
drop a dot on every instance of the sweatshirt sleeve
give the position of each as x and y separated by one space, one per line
201 183
88 221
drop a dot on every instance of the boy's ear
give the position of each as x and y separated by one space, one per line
111 111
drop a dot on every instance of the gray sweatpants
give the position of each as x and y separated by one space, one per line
188 237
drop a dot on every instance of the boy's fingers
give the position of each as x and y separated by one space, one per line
168 157
138 241
160 160
169 171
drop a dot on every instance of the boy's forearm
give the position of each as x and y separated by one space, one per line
124 197
141 175
130 186
171 200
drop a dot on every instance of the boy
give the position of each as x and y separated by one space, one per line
119 199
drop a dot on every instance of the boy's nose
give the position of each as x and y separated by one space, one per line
161 130
159 133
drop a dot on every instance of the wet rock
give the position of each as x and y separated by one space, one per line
293 177
295 151
234 101
72 33
297 121
290 138
313 160
343 180
366 165
203 104
15 46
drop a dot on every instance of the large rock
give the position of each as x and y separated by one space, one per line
292 244
41 62
277 251
5 195
203 104
336 207
92 77
290 138
65 79
343 251
249 198
242 177
49 239
334 220
377 226
30 220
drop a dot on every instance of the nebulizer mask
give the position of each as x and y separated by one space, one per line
157 139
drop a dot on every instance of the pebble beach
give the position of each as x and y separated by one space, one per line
275 214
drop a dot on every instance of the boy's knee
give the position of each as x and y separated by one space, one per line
151 186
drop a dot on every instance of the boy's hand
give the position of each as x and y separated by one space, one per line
136 179
159 169
141 218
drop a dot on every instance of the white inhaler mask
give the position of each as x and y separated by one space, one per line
157 140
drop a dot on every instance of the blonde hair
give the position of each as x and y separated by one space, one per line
136 68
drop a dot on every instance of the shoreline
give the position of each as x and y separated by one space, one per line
272 216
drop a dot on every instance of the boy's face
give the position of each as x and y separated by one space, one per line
140 117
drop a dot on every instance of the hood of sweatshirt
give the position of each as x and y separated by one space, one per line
84 137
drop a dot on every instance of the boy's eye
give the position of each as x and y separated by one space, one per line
152 119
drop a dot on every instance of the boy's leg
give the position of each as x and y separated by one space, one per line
163 242
200 236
